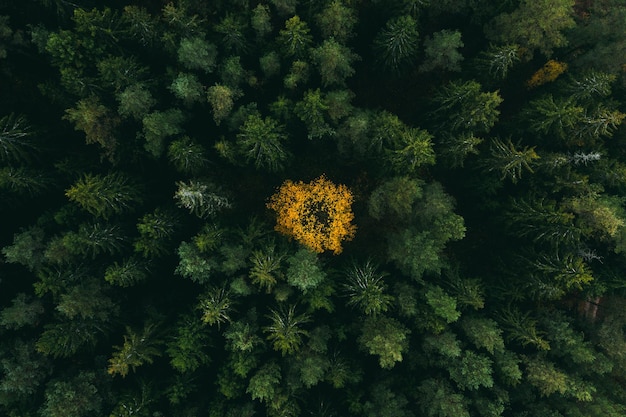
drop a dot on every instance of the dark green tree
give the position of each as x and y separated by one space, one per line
104 195
396 45
261 142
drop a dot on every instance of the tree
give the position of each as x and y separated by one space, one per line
95 239
200 198
266 267
231 29
15 143
187 347
284 330
135 101
264 383
336 21
462 106
317 214
127 273
104 195
66 338
441 400
498 60
193 264
365 288
221 100
87 300
483 333
97 121
187 155
295 38
77 396
22 312
156 230
534 25
546 74
471 371
511 161
27 248
187 88
23 371
261 140
195 53
159 125
298 75
215 306
305 270
261 20
442 51
311 111
395 46
411 149
139 348
334 62
385 337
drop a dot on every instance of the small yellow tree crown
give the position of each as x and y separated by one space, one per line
317 214
548 73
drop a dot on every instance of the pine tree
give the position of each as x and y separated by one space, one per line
104 195
395 46
285 330
139 348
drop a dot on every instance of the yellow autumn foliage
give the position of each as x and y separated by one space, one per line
548 73
317 214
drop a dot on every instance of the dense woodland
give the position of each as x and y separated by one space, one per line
377 208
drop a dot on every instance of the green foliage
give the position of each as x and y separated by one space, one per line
285 330
462 106
159 125
441 51
195 53
333 61
511 161
261 142
311 111
264 383
365 288
534 25
483 333
187 347
396 45
412 149
86 301
22 312
232 38
336 21
215 306
187 155
221 99
199 199
498 60
266 268
23 372
304 270
126 274
27 248
64 339
15 142
95 239
97 122
440 400
135 101
442 304
386 338
187 88
295 38
139 348
75 397
261 20
193 264
471 371
156 230
104 195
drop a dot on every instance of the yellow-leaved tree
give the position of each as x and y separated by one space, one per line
317 214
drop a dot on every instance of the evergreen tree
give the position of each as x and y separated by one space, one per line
395 46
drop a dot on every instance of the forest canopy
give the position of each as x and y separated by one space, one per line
285 208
